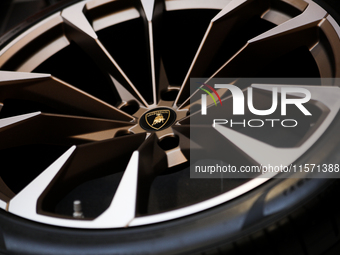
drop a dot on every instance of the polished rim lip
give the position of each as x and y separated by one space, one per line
199 206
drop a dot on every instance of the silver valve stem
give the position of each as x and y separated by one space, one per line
77 210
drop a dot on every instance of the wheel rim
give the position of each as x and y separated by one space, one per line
89 124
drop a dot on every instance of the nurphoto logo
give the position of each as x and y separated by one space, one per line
239 104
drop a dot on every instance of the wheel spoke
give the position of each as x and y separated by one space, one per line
55 129
152 161
152 12
101 159
80 31
132 194
48 90
233 16
25 203
301 31
322 58
258 52
77 165
162 82
122 209
123 93
183 132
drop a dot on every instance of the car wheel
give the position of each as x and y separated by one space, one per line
85 171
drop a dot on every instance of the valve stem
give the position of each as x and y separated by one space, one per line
77 210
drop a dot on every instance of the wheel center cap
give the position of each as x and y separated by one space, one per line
157 119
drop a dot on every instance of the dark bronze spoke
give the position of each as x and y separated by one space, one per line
152 14
152 162
40 128
52 92
88 162
230 19
301 31
80 31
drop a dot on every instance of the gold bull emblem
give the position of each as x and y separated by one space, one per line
159 119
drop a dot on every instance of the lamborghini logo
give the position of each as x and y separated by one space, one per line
157 119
